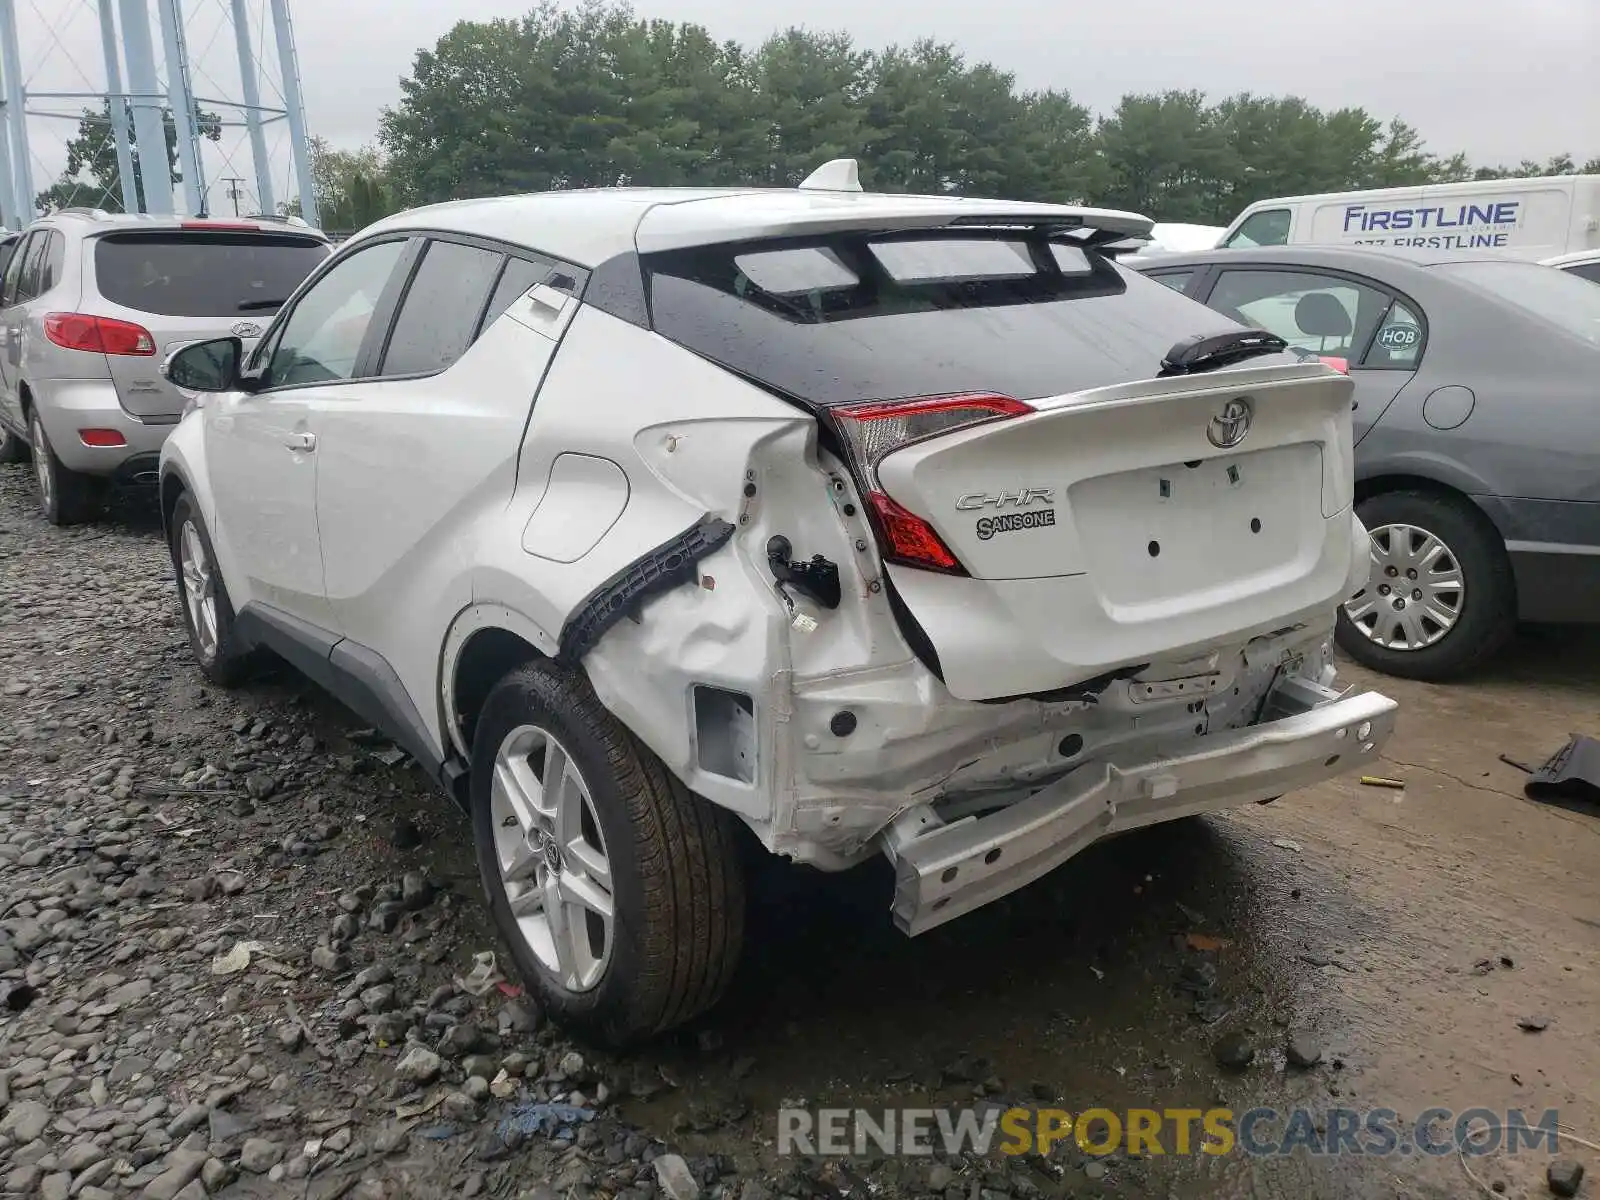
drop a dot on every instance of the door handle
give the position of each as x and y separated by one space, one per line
301 441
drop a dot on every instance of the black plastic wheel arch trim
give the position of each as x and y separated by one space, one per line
671 564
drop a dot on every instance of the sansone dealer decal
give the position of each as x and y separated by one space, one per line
1011 522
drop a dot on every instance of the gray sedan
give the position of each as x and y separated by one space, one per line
1477 426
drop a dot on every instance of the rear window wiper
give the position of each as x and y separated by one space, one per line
254 305
1209 351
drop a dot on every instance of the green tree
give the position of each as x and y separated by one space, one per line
351 187
592 96
1169 155
92 176
808 92
1556 164
933 124
1054 152
583 97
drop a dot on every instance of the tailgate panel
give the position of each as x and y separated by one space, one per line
141 389
1108 528
1180 530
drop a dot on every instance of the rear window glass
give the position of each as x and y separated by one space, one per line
943 260
203 274
1559 297
858 317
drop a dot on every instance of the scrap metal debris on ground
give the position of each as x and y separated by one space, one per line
1572 773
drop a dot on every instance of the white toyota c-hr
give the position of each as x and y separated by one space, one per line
649 520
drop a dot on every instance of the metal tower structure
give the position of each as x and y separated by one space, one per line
230 114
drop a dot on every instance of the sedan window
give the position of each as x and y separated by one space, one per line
1400 341
1323 314
1589 271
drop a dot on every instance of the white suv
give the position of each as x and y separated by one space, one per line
647 520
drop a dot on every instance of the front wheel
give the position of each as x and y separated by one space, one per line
207 612
619 894
1441 599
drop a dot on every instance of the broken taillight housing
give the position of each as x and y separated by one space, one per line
874 429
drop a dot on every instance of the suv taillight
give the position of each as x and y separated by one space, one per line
98 335
874 429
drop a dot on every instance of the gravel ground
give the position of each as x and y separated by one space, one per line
238 938
230 961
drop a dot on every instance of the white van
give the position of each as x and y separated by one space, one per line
1523 218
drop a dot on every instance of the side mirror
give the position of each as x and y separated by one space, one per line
205 366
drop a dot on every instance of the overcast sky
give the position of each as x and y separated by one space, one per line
1501 82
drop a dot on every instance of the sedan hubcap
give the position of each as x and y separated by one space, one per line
552 857
41 466
1415 595
199 589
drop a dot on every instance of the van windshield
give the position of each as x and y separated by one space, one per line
1563 299
1270 227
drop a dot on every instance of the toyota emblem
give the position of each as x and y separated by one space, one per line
246 329
1231 425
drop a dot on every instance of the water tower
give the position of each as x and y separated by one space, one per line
87 84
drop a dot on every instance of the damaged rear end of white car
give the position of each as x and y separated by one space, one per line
970 547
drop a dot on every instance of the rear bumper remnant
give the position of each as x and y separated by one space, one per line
943 871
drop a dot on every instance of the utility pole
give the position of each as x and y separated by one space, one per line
233 182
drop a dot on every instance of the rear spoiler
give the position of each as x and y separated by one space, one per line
787 214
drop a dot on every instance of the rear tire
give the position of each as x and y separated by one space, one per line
665 863
66 497
1457 542
12 448
203 596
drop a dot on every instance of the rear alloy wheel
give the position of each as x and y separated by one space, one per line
619 894
1441 598
66 497
207 612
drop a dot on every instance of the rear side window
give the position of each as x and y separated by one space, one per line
517 278
439 317
32 267
6 252
11 289
172 273
1176 280
54 257
1399 342
857 317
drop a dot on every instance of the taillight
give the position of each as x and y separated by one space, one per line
876 428
1341 365
221 226
98 335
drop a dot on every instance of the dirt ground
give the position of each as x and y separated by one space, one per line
1404 934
